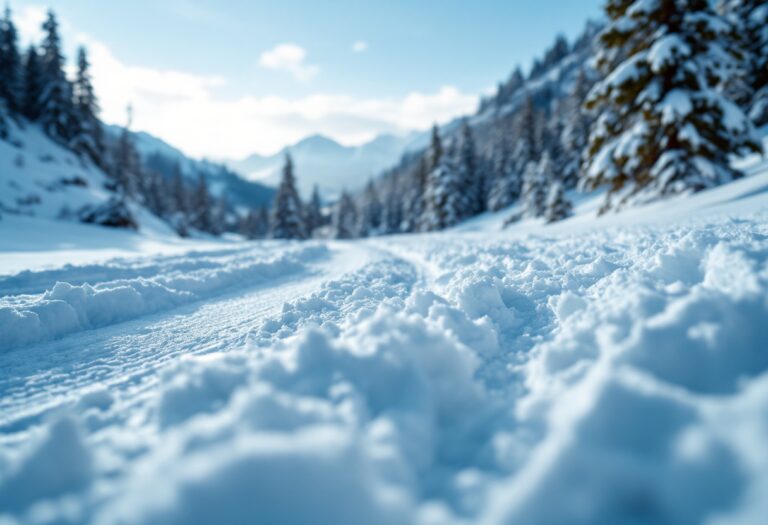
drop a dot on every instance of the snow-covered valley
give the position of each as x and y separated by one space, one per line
595 371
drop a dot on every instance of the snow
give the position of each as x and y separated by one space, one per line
599 370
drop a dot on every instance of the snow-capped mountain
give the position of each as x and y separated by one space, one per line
323 161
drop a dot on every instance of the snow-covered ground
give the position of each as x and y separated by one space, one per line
597 371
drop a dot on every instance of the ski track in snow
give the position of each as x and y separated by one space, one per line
608 376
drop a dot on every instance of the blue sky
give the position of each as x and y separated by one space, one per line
225 78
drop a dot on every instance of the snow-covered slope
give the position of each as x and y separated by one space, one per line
322 161
39 178
592 372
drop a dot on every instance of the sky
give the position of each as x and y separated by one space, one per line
226 78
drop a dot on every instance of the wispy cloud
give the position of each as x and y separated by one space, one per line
190 111
360 46
29 21
290 58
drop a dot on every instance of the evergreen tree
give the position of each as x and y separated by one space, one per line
201 206
414 206
506 180
750 24
527 123
575 135
345 218
536 181
33 84
435 149
287 221
664 128
56 100
314 212
558 206
4 128
255 225
89 138
369 220
472 177
10 64
125 166
447 202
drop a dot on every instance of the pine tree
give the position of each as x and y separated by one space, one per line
536 181
472 177
4 128
664 128
56 102
435 149
10 64
314 212
527 148
33 84
125 166
506 181
255 224
750 24
287 221
578 122
447 201
415 194
369 220
345 218
201 206
558 206
89 137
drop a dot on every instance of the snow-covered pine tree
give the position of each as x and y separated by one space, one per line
255 224
4 128
750 24
536 181
57 115
125 165
578 123
664 128
345 218
369 218
527 148
314 212
10 64
287 220
33 84
89 138
558 207
414 195
506 180
392 208
469 171
447 200
201 206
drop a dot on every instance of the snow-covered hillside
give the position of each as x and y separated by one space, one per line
327 163
597 371
41 179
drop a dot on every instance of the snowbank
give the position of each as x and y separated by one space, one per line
67 308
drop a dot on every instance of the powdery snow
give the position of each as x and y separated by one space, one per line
598 371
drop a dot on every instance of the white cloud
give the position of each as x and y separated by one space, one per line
290 58
29 21
360 46
187 110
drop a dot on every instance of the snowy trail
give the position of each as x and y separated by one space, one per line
128 357
437 379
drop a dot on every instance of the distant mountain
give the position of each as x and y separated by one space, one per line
162 157
323 161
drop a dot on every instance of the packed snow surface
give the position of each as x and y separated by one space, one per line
595 372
